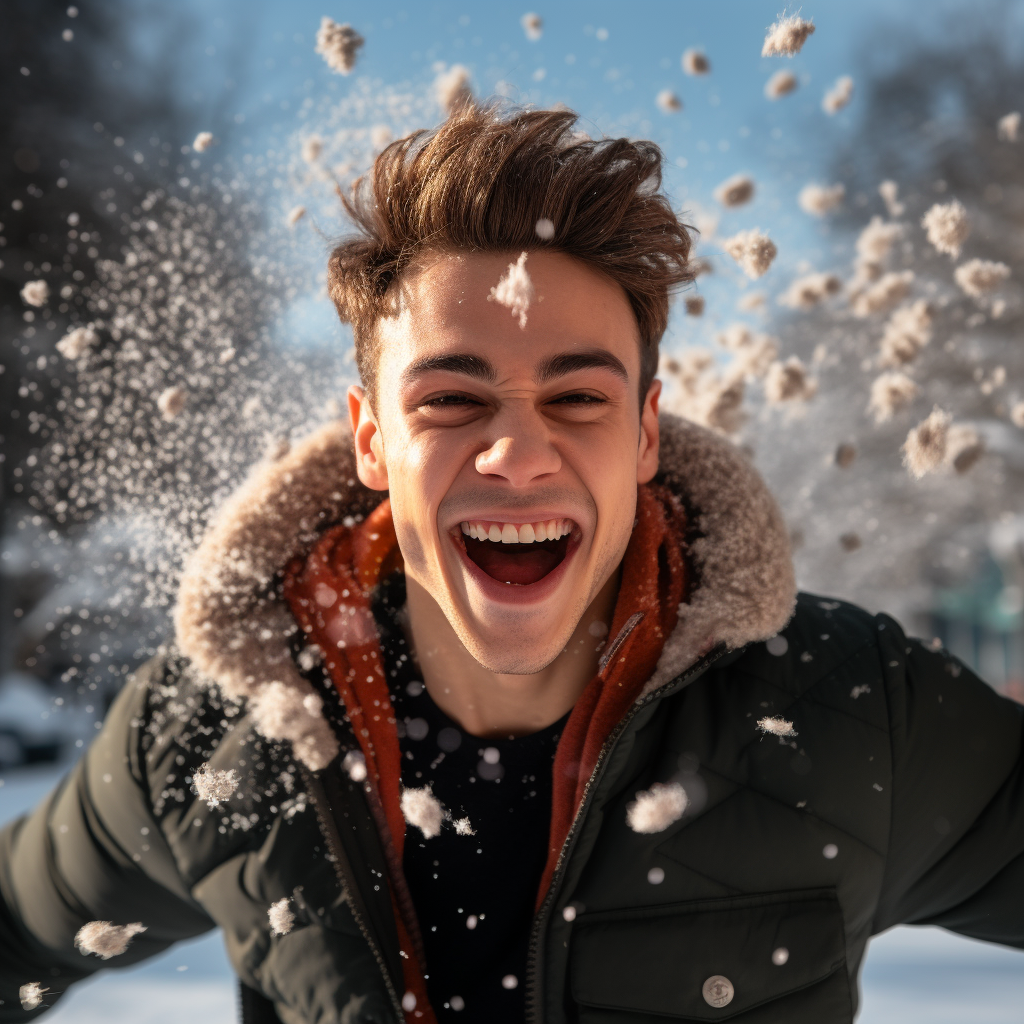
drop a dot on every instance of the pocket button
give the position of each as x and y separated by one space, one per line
718 991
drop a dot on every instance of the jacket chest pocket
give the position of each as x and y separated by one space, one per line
778 958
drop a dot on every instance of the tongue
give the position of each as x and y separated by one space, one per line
513 564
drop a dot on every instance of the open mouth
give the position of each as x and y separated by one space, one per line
520 554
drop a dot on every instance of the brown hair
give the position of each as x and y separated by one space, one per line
480 182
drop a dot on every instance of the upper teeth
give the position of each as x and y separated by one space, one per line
510 533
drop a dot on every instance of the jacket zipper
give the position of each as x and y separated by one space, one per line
355 901
533 980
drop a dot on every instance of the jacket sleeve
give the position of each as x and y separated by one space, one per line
92 851
956 851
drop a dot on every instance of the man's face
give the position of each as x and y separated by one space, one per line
511 454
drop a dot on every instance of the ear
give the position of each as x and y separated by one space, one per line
647 457
370 464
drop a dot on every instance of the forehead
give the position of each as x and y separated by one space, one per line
443 306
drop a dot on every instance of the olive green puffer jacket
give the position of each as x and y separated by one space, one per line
897 795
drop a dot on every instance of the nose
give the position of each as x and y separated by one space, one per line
520 452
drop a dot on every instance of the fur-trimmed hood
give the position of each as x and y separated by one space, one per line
235 629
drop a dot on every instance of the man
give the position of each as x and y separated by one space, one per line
546 733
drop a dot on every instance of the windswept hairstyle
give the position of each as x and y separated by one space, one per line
480 182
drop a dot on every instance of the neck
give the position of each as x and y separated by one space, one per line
495 704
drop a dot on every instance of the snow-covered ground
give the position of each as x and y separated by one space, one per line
911 976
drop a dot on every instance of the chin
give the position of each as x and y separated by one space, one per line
511 650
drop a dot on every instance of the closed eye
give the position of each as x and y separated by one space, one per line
454 400
578 398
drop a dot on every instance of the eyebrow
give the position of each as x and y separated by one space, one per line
470 366
570 362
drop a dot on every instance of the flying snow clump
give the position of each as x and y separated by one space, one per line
906 332
35 293
1017 415
789 381
947 226
926 446
105 939
281 917
883 294
1008 126
976 277
312 147
695 305
782 83
295 214
786 37
215 785
544 229
668 101
656 808
735 191
845 455
463 827
77 342
294 714
964 446
806 292
354 765
889 191
890 392
876 240
838 96
776 726
171 401
514 290
533 26
752 250
421 808
31 995
751 301
339 45
695 62
818 200
452 88
203 141
380 137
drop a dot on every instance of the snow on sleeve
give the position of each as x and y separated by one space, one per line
31 995
283 712
533 26
735 191
838 96
907 331
544 229
421 808
695 62
514 290
203 141
752 250
890 392
776 726
818 200
171 401
35 293
926 446
215 785
806 292
1008 127
281 917
656 808
452 88
976 277
339 45
889 191
789 381
668 101
786 37
104 939
947 227
883 294
77 342
782 83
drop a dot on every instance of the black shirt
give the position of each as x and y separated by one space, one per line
474 893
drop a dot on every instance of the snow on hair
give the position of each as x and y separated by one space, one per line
735 191
421 808
890 392
818 200
786 37
752 250
339 45
838 96
215 785
104 939
281 917
514 290
976 277
947 226
656 808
